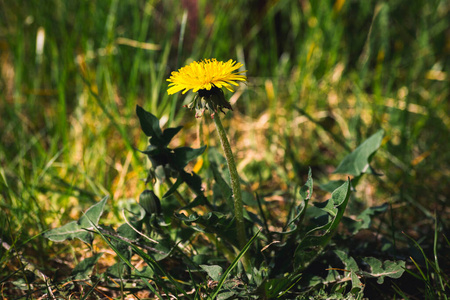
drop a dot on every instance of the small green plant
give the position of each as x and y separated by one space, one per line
191 240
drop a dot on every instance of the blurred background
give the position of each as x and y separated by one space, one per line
322 77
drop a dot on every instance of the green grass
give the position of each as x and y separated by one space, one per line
322 79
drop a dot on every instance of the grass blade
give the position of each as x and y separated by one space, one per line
233 265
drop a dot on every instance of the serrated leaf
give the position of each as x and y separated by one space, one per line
169 133
357 286
92 215
348 261
350 265
214 271
364 220
150 125
358 161
78 229
84 269
392 269
183 155
69 231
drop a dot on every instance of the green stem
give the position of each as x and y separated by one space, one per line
235 185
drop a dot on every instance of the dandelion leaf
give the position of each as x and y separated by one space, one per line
380 270
84 269
150 125
357 162
353 270
183 155
215 272
79 229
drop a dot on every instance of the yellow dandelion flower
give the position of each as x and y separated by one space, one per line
207 78
204 75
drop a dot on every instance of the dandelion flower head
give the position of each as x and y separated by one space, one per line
205 75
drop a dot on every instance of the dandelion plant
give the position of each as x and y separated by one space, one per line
207 78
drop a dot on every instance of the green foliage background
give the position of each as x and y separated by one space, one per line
323 77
